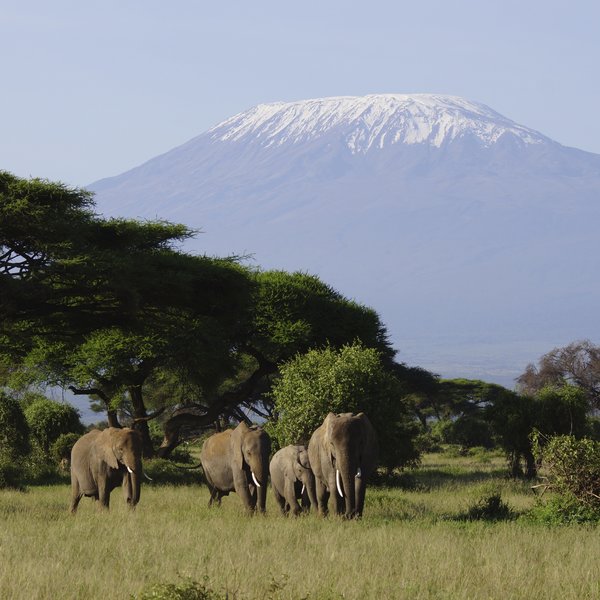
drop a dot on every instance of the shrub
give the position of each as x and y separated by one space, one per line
489 508
62 446
48 420
188 590
573 467
562 509
11 474
14 431
351 379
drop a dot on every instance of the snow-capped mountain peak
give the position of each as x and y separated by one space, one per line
375 121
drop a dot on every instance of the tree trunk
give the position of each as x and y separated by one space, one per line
141 420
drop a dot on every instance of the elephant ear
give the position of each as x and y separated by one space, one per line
237 438
303 458
107 443
328 424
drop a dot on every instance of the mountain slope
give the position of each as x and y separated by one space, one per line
474 237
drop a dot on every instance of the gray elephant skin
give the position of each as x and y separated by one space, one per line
292 479
238 460
343 454
104 460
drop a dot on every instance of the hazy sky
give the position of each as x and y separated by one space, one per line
91 89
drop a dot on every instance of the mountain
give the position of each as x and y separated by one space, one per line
475 238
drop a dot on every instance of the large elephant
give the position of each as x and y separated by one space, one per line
238 460
104 460
343 454
292 479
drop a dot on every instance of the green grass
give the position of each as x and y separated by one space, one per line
410 544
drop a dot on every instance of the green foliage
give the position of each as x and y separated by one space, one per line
294 312
48 420
188 590
351 379
62 446
573 467
14 431
489 507
562 509
11 474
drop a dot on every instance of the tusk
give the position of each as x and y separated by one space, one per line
129 469
338 483
146 476
255 480
359 473
303 488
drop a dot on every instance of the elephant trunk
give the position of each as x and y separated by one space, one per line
133 479
259 477
347 469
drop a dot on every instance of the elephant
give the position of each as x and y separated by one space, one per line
103 460
343 454
238 460
292 479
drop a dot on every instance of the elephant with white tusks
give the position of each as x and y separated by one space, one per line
104 460
343 454
292 479
238 460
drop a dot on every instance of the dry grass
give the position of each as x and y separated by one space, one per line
407 546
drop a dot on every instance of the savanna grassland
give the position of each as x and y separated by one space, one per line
412 543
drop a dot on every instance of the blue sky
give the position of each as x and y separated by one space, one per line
90 90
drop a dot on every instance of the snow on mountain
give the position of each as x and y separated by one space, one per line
371 122
474 237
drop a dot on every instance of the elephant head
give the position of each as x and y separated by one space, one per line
250 449
304 474
344 449
123 452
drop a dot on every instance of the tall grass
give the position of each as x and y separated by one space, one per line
410 544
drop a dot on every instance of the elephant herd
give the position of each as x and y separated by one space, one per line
341 455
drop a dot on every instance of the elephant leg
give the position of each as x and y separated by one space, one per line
104 494
290 496
242 489
361 488
279 499
76 494
215 495
322 497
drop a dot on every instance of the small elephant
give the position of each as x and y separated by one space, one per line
104 460
343 454
292 479
238 460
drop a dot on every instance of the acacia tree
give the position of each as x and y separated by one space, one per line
101 304
576 364
289 313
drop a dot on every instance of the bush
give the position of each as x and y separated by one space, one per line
11 474
14 431
351 379
61 448
48 420
562 509
489 508
573 467
188 590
